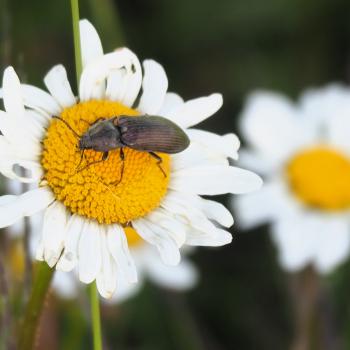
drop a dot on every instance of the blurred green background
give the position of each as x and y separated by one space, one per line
243 299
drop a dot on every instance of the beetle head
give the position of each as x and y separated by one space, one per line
102 136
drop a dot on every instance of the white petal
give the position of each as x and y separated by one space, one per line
107 278
89 252
329 107
13 208
181 277
69 258
195 111
258 162
123 84
270 124
39 254
6 149
174 228
36 124
14 187
134 80
36 245
54 230
338 130
263 205
91 47
36 223
116 85
40 101
226 145
19 136
322 106
33 170
56 81
125 290
187 207
200 231
323 113
333 245
213 180
13 100
296 237
196 155
154 87
118 247
217 212
95 73
216 238
7 199
155 235
170 103
9 210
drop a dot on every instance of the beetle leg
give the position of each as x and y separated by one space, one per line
104 157
122 157
121 153
159 161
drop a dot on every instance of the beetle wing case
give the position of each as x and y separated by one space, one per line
152 133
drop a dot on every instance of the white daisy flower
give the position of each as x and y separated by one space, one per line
303 152
86 211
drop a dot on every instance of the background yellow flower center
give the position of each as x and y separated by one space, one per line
320 177
96 192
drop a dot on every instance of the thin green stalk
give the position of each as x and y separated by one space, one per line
95 314
76 38
94 300
41 282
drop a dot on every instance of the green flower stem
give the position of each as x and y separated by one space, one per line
76 38
95 315
41 282
94 300
306 288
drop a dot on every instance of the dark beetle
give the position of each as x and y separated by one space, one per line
143 133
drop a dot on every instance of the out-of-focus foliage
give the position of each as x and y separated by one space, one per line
228 46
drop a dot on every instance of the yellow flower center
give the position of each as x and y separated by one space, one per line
320 178
102 190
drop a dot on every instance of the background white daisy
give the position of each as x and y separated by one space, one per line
307 206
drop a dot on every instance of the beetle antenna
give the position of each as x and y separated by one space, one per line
68 126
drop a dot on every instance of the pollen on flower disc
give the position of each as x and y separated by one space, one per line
98 191
320 178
